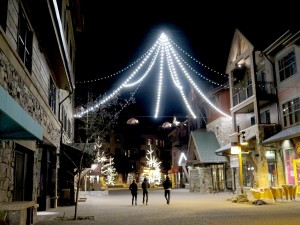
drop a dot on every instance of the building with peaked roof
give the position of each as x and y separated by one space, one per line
264 97
206 169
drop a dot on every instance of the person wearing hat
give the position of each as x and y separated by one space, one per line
145 187
134 190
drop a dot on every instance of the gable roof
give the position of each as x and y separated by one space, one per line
203 145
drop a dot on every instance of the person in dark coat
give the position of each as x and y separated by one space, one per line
134 191
167 184
145 187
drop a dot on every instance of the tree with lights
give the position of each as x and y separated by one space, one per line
154 165
92 129
109 171
170 62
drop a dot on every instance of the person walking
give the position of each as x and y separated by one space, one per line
134 191
145 187
167 184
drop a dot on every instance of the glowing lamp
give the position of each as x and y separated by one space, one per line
243 141
94 166
235 149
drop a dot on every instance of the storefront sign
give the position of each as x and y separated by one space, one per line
234 161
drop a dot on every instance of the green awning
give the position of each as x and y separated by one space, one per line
15 122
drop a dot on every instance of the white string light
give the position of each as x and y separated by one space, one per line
200 63
162 46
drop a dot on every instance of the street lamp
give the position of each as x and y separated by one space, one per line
236 149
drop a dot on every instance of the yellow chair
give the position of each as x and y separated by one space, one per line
255 194
261 193
286 191
293 191
277 192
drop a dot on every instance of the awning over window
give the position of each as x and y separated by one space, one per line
284 134
82 147
15 122
224 148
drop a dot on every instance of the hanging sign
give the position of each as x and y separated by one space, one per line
234 161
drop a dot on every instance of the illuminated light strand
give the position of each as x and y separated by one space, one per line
147 71
163 40
127 103
199 74
114 93
118 72
182 157
132 75
195 86
175 79
197 61
160 79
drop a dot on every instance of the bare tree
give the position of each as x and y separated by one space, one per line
92 128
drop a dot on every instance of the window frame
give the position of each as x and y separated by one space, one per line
287 66
290 112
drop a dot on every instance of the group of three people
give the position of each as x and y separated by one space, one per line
167 185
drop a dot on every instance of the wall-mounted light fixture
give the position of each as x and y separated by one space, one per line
243 141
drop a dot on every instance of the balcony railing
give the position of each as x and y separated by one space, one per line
242 95
263 88
266 88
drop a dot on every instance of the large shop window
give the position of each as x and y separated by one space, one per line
248 170
271 159
289 156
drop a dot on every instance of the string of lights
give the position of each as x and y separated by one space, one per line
116 73
166 49
197 61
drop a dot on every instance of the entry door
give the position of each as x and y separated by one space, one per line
23 181
296 164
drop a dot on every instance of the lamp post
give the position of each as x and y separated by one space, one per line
236 149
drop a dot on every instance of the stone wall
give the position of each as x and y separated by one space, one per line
222 127
6 171
21 93
200 179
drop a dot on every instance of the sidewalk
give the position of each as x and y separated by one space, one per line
103 206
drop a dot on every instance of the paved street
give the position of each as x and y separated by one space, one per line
185 208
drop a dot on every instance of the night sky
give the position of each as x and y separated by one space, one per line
116 35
